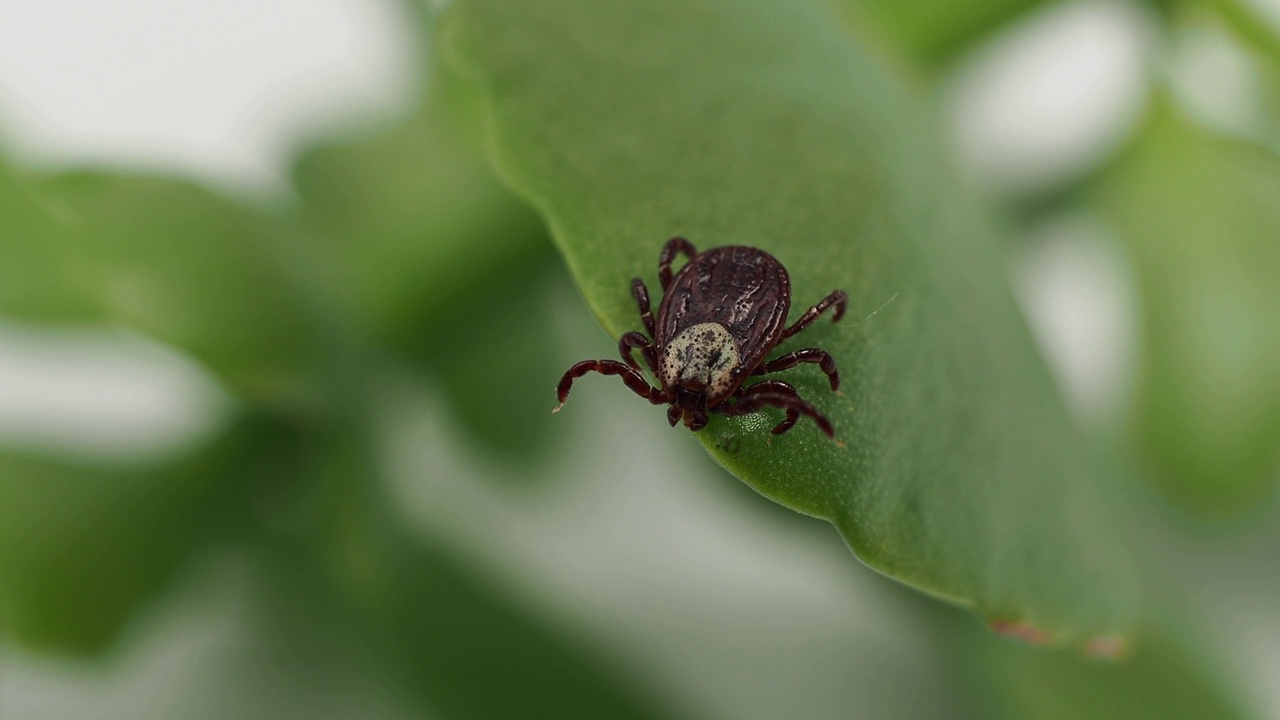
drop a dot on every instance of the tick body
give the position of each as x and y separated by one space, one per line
720 317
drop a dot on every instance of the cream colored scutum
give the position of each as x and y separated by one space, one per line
705 353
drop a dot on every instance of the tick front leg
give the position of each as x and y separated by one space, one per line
641 294
810 355
836 298
668 255
637 340
633 380
789 401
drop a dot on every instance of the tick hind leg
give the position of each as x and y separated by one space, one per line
767 386
773 393
807 355
633 380
836 298
669 251
634 340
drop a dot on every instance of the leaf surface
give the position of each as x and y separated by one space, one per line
1200 217
761 123
83 549
440 261
1161 678
166 257
936 31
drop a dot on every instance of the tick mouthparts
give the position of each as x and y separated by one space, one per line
556 409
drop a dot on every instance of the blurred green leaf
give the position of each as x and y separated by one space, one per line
442 262
469 648
761 123
413 217
1200 215
493 358
933 32
82 549
1162 679
474 651
38 280
1245 19
190 268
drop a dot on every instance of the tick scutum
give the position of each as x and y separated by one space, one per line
742 291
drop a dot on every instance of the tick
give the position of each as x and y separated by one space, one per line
720 316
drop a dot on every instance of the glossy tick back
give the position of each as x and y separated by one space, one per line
720 317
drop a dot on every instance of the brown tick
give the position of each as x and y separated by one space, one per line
720 316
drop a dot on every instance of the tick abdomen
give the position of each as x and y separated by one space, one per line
704 354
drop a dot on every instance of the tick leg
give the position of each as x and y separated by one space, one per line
641 294
633 379
837 298
812 355
668 254
789 401
764 385
673 414
778 387
637 340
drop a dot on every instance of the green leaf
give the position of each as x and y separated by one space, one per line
441 262
492 359
1160 679
935 31
414 218
455 638
178 262
467 646
82 549
1247 22
215 277
760 122
38 280
1200 216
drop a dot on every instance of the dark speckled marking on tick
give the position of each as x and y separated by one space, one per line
720 317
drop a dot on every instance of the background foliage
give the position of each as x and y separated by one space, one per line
395 527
